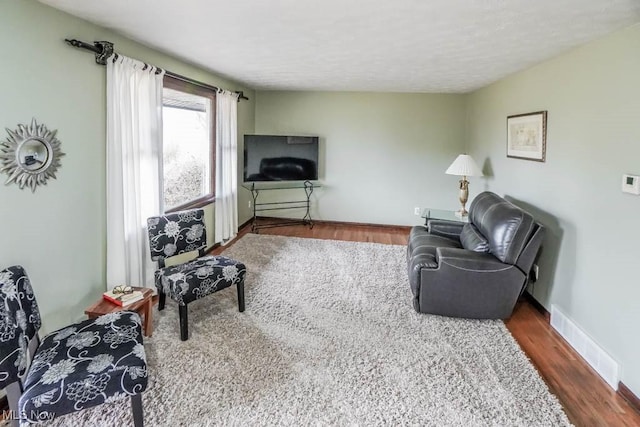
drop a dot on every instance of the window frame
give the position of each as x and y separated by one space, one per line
191 88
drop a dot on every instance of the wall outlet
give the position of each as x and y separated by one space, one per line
416 211
249 204
535 273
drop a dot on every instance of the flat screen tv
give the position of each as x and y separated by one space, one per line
280 158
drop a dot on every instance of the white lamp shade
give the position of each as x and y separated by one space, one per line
464 165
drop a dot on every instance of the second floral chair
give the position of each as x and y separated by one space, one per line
86 364
179 233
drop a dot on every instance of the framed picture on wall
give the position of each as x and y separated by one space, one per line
527 136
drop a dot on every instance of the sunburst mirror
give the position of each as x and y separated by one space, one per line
30 155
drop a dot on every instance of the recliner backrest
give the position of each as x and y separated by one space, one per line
505 226
528 255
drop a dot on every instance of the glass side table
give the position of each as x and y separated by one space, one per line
446 215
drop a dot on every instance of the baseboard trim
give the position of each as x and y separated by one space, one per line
406 228
240 229
585 346
629 396
623 391
244 224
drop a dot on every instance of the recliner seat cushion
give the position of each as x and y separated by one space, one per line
505 226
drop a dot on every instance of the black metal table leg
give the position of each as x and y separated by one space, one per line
254 193
308 190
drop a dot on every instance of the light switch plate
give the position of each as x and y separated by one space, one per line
631 184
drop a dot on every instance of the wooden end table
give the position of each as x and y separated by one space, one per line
144 308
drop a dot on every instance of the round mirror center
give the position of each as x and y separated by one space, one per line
33 154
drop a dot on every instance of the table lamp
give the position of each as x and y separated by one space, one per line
464 166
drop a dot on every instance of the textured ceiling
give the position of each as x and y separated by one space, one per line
360 45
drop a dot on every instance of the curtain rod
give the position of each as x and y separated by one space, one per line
104 49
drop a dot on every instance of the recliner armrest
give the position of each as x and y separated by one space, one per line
464 259
444 228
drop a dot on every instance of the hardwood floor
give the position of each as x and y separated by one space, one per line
392 235
586 398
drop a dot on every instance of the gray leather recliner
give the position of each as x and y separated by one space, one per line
475 270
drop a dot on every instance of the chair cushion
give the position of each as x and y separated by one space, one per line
472 240
198 278
83 365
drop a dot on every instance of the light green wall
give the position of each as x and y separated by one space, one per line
592 95
246 123
58 233
381 154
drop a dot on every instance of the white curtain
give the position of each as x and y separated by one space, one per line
226 206
134 168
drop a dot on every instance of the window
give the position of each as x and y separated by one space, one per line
188 115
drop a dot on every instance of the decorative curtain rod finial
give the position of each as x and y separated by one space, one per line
241 95
102 49
106 50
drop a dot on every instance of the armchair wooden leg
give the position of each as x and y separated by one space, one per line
184 323
14 391
240 287
136 407
162 298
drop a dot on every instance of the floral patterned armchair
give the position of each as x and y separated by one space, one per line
96 361
183 232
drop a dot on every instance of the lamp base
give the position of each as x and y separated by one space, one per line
463 197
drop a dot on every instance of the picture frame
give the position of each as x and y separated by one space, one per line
527 136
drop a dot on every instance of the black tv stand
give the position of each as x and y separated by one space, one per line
258 207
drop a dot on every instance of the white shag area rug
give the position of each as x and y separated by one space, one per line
329 337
